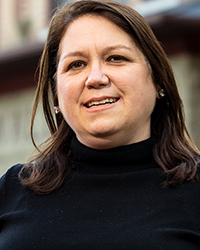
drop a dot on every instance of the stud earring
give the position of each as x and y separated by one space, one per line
161 93
56 109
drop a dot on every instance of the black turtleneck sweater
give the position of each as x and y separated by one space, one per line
111 200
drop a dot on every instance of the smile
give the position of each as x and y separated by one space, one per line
102 102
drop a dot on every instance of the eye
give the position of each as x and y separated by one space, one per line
116 58
76 65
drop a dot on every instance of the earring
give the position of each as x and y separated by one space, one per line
161 93
56 109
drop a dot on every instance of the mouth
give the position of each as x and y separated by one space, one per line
105 101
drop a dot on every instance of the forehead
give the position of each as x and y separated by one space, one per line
93 27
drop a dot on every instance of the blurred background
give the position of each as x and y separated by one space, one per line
23 30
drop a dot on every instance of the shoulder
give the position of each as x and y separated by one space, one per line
190 190
9 181
11 174
11 189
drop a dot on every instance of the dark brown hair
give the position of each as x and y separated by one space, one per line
174 150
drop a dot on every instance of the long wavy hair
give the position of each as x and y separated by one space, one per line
174 150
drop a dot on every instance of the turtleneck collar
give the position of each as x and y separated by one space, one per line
129 158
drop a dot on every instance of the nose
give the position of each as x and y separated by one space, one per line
96 77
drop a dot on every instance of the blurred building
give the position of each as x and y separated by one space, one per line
176 24
22 21
23 29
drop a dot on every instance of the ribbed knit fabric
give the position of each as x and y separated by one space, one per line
118 160
111 200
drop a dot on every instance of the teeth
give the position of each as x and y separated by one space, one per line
102 102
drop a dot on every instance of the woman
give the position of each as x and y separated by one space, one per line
118 171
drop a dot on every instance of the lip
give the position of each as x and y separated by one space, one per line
97 99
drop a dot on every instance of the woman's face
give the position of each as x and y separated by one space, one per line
105 89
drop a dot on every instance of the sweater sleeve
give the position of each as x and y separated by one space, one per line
2 201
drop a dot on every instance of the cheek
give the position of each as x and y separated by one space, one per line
130 78
65 103
69 95
144 94
150 98
64 92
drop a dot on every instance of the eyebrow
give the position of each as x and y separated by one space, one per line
105 51
115 47
72 54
